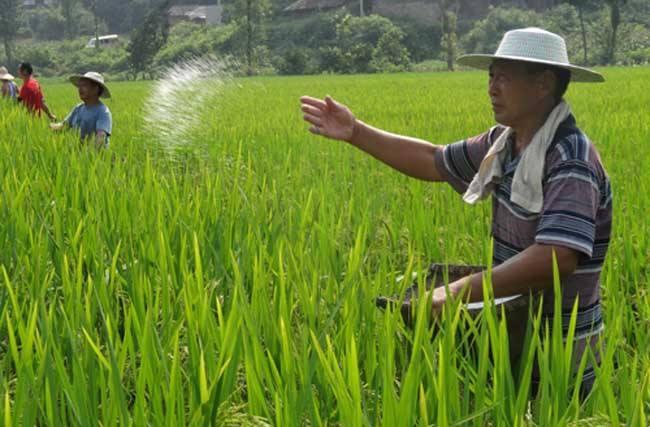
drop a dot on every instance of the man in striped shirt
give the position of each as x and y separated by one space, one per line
575 215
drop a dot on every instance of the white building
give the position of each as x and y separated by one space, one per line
39 3
201 14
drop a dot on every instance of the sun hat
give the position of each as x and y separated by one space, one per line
4 74
94 77
533 45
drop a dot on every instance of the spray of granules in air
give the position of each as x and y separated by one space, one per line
181 97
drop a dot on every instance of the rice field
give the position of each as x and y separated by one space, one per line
234 283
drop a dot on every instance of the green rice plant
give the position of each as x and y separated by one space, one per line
234 283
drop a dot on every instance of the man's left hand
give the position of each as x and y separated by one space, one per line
438 298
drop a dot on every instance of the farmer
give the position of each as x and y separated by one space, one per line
550 192
91 117
9 88
31 94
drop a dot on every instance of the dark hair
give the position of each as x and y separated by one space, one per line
26 68
562 77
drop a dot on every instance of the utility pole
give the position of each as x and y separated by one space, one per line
362 12
96 24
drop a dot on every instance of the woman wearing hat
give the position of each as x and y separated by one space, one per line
91 117
9 88
551 196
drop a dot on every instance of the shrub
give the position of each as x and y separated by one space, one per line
294 61
365 44
486 33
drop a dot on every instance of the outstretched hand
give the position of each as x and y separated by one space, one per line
328 118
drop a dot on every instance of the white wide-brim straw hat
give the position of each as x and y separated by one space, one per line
94 77
533 45
4 74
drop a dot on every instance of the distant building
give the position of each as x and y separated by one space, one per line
419 10
423 11
30 4
200 14
308 6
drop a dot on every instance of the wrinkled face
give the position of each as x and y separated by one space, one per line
515 94
88 90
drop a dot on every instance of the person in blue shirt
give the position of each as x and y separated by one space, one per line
91 118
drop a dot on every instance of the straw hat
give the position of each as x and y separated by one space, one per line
4 74
533 45
94 77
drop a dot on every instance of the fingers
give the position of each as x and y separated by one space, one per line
308 100
308 109
314 120
331 104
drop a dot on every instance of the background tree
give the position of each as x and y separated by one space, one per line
93 6
448 14
148 40
9 28
581 6
615 20
68 8
250 16
364 45
486 33
365 7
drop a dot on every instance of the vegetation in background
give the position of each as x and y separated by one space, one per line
249 18
265 41
448 42
148 40
9 14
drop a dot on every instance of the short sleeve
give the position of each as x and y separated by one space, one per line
71 116
105 121
571 201
460 161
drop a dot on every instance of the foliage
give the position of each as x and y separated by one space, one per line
147 41
294 62
421 40
322 42
46 23
614 21
187 40
250 37
486 34
634 44
235 284
68 9
390 55
9 15
358 49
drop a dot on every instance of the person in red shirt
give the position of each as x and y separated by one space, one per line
31 94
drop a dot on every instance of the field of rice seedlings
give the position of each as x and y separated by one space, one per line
234 283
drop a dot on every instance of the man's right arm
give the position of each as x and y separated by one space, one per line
411 156
65 123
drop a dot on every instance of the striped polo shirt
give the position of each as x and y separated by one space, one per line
576 213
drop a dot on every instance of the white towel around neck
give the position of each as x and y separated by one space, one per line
527 189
